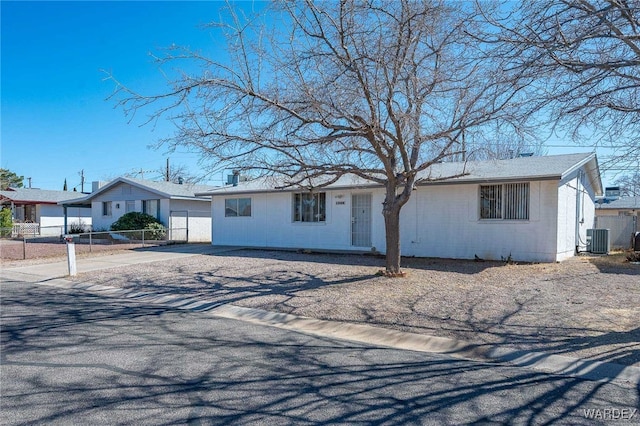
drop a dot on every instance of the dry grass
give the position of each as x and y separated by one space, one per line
586 307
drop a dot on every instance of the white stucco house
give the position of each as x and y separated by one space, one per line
533 209
176 206
37 212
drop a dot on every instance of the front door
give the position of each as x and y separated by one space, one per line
361 220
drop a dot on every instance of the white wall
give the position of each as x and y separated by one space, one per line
51 218
444 221
438 221
199 216
271 223
576 206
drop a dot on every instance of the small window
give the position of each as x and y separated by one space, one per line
130 206
237 207
309 207
509 201
106 208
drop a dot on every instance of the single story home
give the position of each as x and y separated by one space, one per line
37 211
176 206
534 209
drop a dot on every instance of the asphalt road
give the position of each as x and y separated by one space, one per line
76 358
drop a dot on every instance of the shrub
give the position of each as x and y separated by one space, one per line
76 228
6 222
633 256
154 230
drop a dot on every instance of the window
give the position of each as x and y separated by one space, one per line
309 207
130 206
151 207
235 207
106 208
30 213
509 201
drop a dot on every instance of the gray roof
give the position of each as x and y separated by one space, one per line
38 196
628 203
162 189
168 189
529 168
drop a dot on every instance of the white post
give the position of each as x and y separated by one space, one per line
71 257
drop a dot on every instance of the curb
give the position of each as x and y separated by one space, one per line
364 333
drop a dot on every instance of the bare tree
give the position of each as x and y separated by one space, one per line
381 90
177 173
586 55
629 185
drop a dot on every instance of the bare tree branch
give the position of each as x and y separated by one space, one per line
381 90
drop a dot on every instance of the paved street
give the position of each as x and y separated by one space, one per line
70 357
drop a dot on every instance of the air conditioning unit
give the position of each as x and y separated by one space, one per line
598 241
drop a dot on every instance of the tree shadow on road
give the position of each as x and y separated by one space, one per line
70 357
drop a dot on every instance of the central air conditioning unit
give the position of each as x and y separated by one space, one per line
598 241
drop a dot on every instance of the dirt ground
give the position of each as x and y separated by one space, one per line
586 307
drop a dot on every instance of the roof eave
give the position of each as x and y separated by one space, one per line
594 172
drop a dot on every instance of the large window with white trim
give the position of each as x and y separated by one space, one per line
309 207
508 201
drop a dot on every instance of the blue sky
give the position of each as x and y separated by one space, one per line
55 119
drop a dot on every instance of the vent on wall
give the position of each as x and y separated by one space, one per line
598 241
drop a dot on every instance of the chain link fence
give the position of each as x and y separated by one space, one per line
42 246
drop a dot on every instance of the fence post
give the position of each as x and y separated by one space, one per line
143 238
24 247
90 243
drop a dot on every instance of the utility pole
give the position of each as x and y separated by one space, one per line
464 147
81 173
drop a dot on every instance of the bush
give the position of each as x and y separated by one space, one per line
633 256
154 230
76 228
6 222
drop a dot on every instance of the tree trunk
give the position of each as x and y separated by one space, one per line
391 215
391 207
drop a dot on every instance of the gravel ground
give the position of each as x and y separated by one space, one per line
38 249
586 307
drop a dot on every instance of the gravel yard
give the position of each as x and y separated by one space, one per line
51 247
587 307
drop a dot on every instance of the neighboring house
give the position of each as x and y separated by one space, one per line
37 212
530 209
174 205
624 206
622 217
